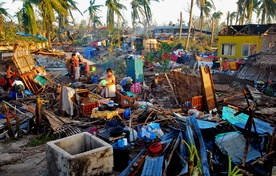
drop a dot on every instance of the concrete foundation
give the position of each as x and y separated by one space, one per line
81 154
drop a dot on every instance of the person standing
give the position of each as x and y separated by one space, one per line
9 76
225 66
110 88
76 66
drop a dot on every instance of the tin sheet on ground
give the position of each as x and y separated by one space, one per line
233 144
241 119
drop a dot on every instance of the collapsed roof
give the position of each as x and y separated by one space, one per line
262 66
249 29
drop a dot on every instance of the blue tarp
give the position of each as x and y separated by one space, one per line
89 52
240 120
38 36
232 144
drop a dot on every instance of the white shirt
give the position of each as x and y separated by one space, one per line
17 82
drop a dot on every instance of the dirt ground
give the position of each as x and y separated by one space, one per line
17 159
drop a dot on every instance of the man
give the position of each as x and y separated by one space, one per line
155 82
225 66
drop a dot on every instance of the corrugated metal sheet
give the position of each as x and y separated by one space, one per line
203 124
233 144
202 148
153 166
241 119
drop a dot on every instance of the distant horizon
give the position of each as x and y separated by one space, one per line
163 12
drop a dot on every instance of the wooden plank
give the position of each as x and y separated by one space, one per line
208 88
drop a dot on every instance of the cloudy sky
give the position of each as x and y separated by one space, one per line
163 12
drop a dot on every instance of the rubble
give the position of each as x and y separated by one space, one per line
187 125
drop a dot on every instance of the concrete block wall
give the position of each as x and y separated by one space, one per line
81 154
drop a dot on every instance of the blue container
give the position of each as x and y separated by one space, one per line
12 95
121 143
28 93
127 113
95 79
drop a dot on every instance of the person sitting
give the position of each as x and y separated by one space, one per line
126 83
225 66
155 83
18 86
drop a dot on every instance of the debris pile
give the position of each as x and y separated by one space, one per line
174 122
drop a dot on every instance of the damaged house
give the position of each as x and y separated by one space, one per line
241 41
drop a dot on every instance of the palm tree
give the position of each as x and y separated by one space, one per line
47 9
267 11
205 9
28 18
3 14
3 11
232 16
137 9
93 10
113 7
147 10
190 24
245 9
96 21
215 19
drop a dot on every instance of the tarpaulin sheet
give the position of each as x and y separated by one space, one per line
241 119
233 144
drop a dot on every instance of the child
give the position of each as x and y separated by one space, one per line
9 75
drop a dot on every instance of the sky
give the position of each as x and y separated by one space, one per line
163 11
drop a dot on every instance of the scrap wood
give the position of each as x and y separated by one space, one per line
148 118
55 121
234 96
171 88
262 158
139 124
10 130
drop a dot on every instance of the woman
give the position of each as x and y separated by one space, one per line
110 88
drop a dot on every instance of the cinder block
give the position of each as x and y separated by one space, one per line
80 154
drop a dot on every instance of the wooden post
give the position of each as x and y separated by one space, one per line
10 131
180 32
171 89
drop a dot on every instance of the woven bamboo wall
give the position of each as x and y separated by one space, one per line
23 58
186 86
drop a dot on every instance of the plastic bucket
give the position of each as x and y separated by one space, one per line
95 79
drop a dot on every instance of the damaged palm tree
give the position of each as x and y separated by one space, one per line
194 160
38 115
10 130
